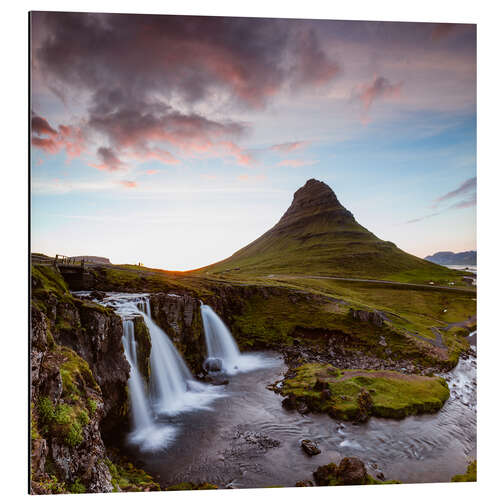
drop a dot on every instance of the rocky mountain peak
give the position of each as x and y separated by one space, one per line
312 198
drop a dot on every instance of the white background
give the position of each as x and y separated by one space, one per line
14 227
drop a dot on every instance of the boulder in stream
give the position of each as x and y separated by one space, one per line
310 447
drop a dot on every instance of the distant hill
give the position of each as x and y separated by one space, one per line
450 258
318 236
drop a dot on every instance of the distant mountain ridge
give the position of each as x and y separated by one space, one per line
317 235
454 259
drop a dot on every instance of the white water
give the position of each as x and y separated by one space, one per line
221 345
172 390
145 433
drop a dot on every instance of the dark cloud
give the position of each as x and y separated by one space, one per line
379 88
41 126
109 160
144 75
66 137
313 67
174 55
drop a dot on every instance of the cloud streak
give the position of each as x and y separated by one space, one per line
466 187
289 147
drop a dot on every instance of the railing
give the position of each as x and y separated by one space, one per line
62 260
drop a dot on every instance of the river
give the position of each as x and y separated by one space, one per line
234 442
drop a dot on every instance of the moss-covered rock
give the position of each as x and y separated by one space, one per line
191 486
470 475
143 341
125 476
350 471
358 394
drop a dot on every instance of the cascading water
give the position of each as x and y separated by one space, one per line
141 416
222 350
220 342
145 433
173 389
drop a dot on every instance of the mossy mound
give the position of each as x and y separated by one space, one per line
359 394
127 477
349 472
470 475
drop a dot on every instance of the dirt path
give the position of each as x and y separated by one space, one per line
382 282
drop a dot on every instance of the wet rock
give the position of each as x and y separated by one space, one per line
324 474
310 447
289 403
351 470
302 407
212 365
381 476
96 295
180 317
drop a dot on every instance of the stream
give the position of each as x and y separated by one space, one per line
235 443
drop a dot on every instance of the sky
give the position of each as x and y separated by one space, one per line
175 141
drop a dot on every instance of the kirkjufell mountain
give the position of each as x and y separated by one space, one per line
317 235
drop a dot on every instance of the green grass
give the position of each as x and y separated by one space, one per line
392 395
126 477
324 240
469 476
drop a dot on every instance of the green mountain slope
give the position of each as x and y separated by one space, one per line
318 236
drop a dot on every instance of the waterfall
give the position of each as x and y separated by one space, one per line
141 416
222 350
220 342
145 432
172 390
173 386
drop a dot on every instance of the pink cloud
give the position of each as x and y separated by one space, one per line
41 126
152 172
289 147
379 88
66 137
109 160
128 184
